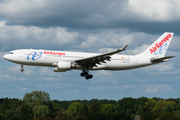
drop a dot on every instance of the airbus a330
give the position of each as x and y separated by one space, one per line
63 61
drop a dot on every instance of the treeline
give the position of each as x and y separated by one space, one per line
38 106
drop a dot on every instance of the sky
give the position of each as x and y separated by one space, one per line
95 26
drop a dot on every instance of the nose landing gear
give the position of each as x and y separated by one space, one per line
86 74
22 69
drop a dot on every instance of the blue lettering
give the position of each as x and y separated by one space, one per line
161 50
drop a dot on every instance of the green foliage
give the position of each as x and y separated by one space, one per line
44 118
124 104
14 118
25 112
2 116
168 109
74 109
85 110
177 116
98 117
161 105
121 116
150 104
138 106
140 110
108 108
178 107
101 116
8 107
80 118
37 106
40 110
53 107
36 98
149 116
166 116
95 108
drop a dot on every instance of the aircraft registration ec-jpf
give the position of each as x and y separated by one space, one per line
63 61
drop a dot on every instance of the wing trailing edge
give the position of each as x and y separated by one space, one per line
93 60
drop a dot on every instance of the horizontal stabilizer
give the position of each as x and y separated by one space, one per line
158 60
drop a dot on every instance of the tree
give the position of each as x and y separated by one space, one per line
108 108
14 118
2 116
36 98
53 107
150 104
158 107
25 112
168 109
73 108
161 105
178 107
9 107
95 108
140 110
149 116
85 110
126 103
140 102
40 110
166 116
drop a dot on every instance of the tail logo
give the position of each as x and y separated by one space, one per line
162 46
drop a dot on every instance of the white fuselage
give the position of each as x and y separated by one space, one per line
64 60
50 58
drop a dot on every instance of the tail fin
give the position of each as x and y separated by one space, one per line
160 46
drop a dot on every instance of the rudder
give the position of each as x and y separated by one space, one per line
160 46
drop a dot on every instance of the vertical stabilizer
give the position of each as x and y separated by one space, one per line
160 46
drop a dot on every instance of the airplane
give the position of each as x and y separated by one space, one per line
63 61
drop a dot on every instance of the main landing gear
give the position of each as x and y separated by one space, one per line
85 73
22 69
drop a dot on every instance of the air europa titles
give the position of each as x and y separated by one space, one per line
158 45
53 53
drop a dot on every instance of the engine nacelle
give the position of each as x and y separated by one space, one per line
57 70
63 66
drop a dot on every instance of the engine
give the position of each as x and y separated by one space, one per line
63 66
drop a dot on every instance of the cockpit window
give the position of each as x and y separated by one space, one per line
11 53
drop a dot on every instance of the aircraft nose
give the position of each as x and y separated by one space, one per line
6 56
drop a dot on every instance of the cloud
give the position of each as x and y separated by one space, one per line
2 23
157 88
161 10
14 37
135 15
58 38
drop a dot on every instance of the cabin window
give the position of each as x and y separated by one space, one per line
11 53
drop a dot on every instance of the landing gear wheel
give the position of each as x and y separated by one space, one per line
22 69
85 73
87 77
90 76
82 74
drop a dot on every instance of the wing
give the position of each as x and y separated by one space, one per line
93 60
162 59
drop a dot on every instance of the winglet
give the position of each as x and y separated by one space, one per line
124 48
